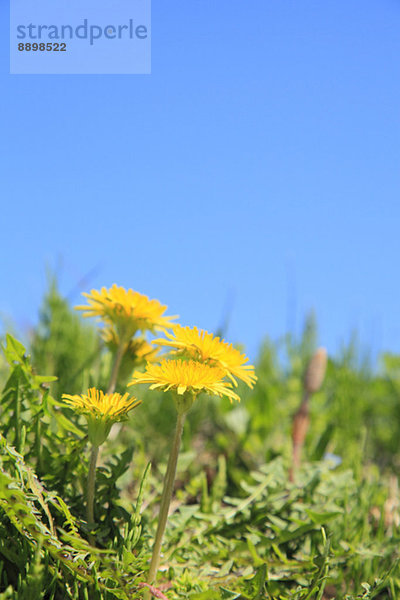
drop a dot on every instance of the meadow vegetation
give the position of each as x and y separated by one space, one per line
239 526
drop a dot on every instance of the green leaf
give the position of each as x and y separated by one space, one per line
320 518
207 595
228 594
14 351
323 442
44 378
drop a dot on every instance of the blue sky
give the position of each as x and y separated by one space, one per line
255 170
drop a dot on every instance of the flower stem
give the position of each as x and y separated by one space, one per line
166 498
115 368
90 489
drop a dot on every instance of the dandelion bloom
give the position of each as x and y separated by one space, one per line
101 411
205 347
185 377
138 349
128 310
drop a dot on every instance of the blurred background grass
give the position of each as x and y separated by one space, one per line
356 414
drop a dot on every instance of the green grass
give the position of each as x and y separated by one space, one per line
238 528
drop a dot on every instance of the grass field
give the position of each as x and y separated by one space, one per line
239 526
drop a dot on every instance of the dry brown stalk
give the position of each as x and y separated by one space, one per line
313 379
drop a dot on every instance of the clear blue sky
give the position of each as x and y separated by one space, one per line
257 167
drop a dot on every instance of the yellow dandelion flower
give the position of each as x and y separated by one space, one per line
138 349
101 411
96 402
203 346
185 377
128 310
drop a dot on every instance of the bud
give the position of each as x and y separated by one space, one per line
315 372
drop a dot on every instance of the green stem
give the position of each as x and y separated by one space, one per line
17 416
166 498
115 368
91 488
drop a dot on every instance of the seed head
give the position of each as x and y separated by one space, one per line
315 372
